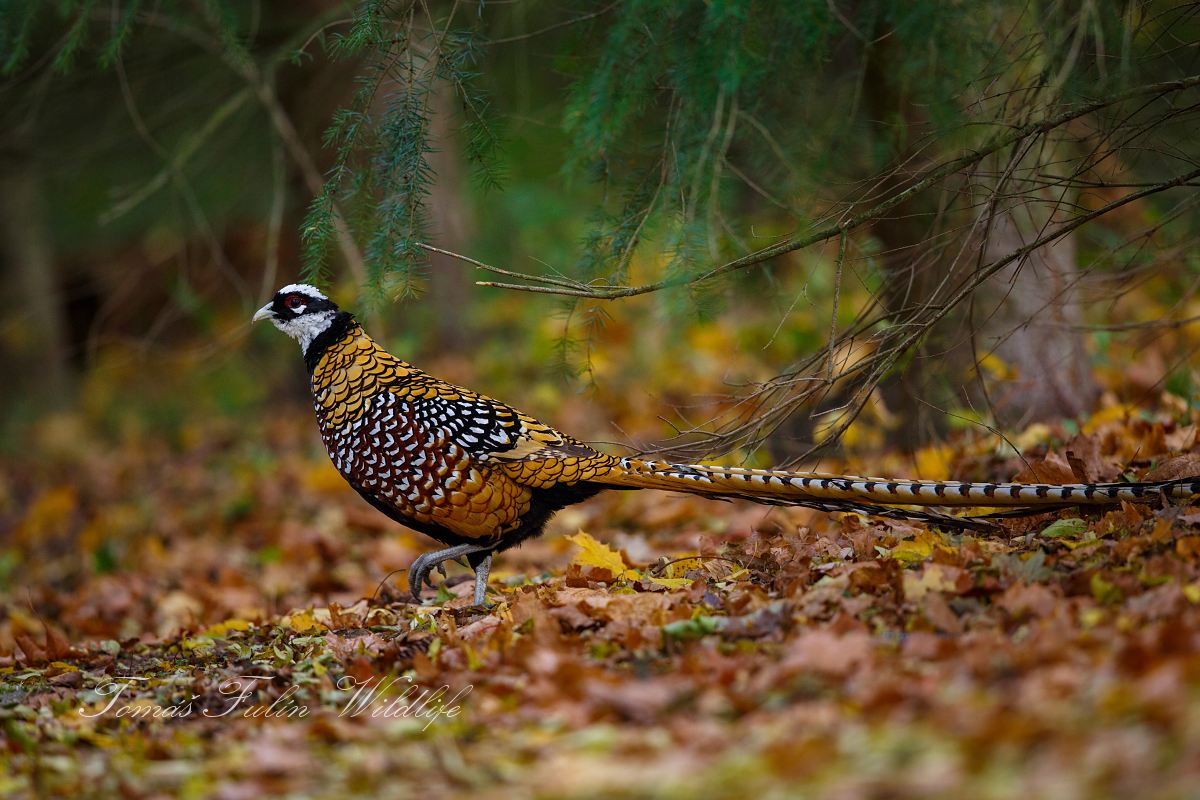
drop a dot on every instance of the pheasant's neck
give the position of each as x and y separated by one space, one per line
321 339
349 376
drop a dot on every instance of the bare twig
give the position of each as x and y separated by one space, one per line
1149 325
837 296
286 131
275 221
175 162
565 23
481 265
261 83
752 416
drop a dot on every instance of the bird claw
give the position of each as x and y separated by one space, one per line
420 572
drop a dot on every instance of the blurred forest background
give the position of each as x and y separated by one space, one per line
741 220
923 238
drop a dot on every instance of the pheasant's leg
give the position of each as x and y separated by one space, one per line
481 578
418 572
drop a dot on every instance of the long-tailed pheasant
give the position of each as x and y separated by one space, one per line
479 476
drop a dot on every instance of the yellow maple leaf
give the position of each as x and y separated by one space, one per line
219 630
593 553
1118 412
917 549
303 621
680 568
672 583
933 578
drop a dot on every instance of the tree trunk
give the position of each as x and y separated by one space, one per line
452 226
1030 311
35 307
1026 312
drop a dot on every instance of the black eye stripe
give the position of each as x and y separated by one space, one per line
294 304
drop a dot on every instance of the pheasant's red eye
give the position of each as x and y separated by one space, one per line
293 302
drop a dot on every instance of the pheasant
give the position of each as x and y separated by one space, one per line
480 476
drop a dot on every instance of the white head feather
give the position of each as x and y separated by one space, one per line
302 327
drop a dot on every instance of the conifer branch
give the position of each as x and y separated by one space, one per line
927 179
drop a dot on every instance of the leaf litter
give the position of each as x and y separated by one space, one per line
716 650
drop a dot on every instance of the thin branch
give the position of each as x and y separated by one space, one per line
261 82
753 416
286 131
837 295
481 265
556 26
1154 324
175 162
275 220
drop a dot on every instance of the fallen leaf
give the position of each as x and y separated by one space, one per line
917 549
1051 469
593 553
1064 527
933 578
1028 599
219 630
303 621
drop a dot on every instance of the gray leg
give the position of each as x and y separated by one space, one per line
418 572
481 579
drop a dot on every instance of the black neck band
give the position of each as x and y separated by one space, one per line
328 337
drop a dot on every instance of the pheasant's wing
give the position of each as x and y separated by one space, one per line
498 435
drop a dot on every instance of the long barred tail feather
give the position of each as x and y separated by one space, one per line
966 523
881 496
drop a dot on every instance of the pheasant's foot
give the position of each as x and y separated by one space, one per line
418 572
481 579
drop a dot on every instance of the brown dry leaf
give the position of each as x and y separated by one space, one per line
1186 465
829 653
935 578
639 700
594 601
178 610
938 612
1183 438
1088 463
1154 438
345 647
1054 468
33 652
1188 547
1028 599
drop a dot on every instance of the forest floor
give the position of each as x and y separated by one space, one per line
212 616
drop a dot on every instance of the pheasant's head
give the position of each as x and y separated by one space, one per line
300 311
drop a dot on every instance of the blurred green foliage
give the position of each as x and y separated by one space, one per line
192 156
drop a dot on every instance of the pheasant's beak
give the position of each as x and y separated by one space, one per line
263 313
